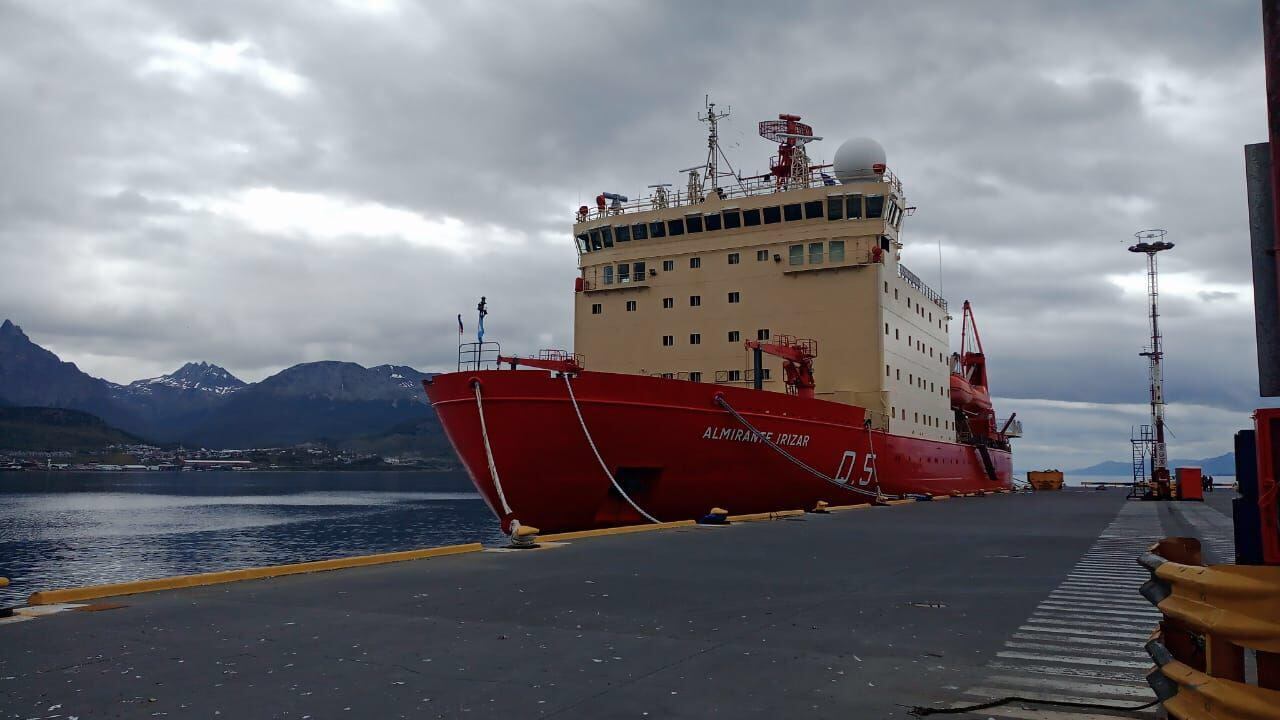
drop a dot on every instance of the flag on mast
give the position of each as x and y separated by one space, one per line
480 323
459 323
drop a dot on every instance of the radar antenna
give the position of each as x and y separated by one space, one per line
714 154
790 168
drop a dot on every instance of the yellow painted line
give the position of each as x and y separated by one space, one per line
859 506
623 530
941 497
765 515
47 597
898 502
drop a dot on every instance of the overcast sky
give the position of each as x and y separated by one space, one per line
261 184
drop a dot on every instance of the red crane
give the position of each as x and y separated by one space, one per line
797 362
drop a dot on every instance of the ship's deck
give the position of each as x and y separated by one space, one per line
850 615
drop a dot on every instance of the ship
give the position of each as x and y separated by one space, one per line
740 344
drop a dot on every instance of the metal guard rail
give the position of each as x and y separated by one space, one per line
1211 615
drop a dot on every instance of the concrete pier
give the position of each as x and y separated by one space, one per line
855 614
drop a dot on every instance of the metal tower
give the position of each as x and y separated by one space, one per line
1149 243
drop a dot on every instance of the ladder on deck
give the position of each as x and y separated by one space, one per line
1140 441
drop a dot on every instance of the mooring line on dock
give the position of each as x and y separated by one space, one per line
569 386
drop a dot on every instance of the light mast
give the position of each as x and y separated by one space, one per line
1150 242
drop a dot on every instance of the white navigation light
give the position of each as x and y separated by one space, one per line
859 159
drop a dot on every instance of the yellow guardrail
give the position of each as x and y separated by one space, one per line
1217 649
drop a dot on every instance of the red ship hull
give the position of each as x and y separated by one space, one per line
676 452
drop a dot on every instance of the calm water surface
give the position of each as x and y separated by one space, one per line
70 529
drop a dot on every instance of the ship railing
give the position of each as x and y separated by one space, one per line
739 188
474 355
914 281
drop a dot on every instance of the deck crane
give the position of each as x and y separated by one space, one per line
797 361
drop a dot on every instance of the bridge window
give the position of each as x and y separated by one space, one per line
668 265
791 212
734 258
875 206
584 243
762 255
608 274
795 254
606 236
623 233
853 206
835 251
815 253
639 231
695 262
595 240
692 224
657 229
813 210
712 222
668 340
639 271
751 218
695 338
631 306
675 227
597 309
835 207
735 336
668 303
732 219
772 214
734 297
624 272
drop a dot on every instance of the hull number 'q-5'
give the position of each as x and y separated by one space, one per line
849 465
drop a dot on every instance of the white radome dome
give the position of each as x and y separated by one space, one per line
857 159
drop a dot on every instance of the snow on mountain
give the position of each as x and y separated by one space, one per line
202 376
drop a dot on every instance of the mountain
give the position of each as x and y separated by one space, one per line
200 377
203 404
44 429
1224 464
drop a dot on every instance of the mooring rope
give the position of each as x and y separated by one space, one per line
569 386
793 459
488 451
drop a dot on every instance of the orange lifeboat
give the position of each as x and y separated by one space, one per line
967 398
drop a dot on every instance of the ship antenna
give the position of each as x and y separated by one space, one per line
714 153
1150 242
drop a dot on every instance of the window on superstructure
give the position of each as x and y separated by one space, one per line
772 214
735 336
835 207
597 309
668 265
668 303
853 207
732 219
623 233
813 210
695 376
895 293
751 218
886 371
764 374
695 262
606 236
815 253
668 340
595 240
835 251
675 227
734 297
762 255
692 224
695 338
712 222
734 258
695 301
657 229
735 376
608 274
875 206
791 212
911 380
638 271
762 334
631 306
584 243
896 332
795 254
624 272
639 231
